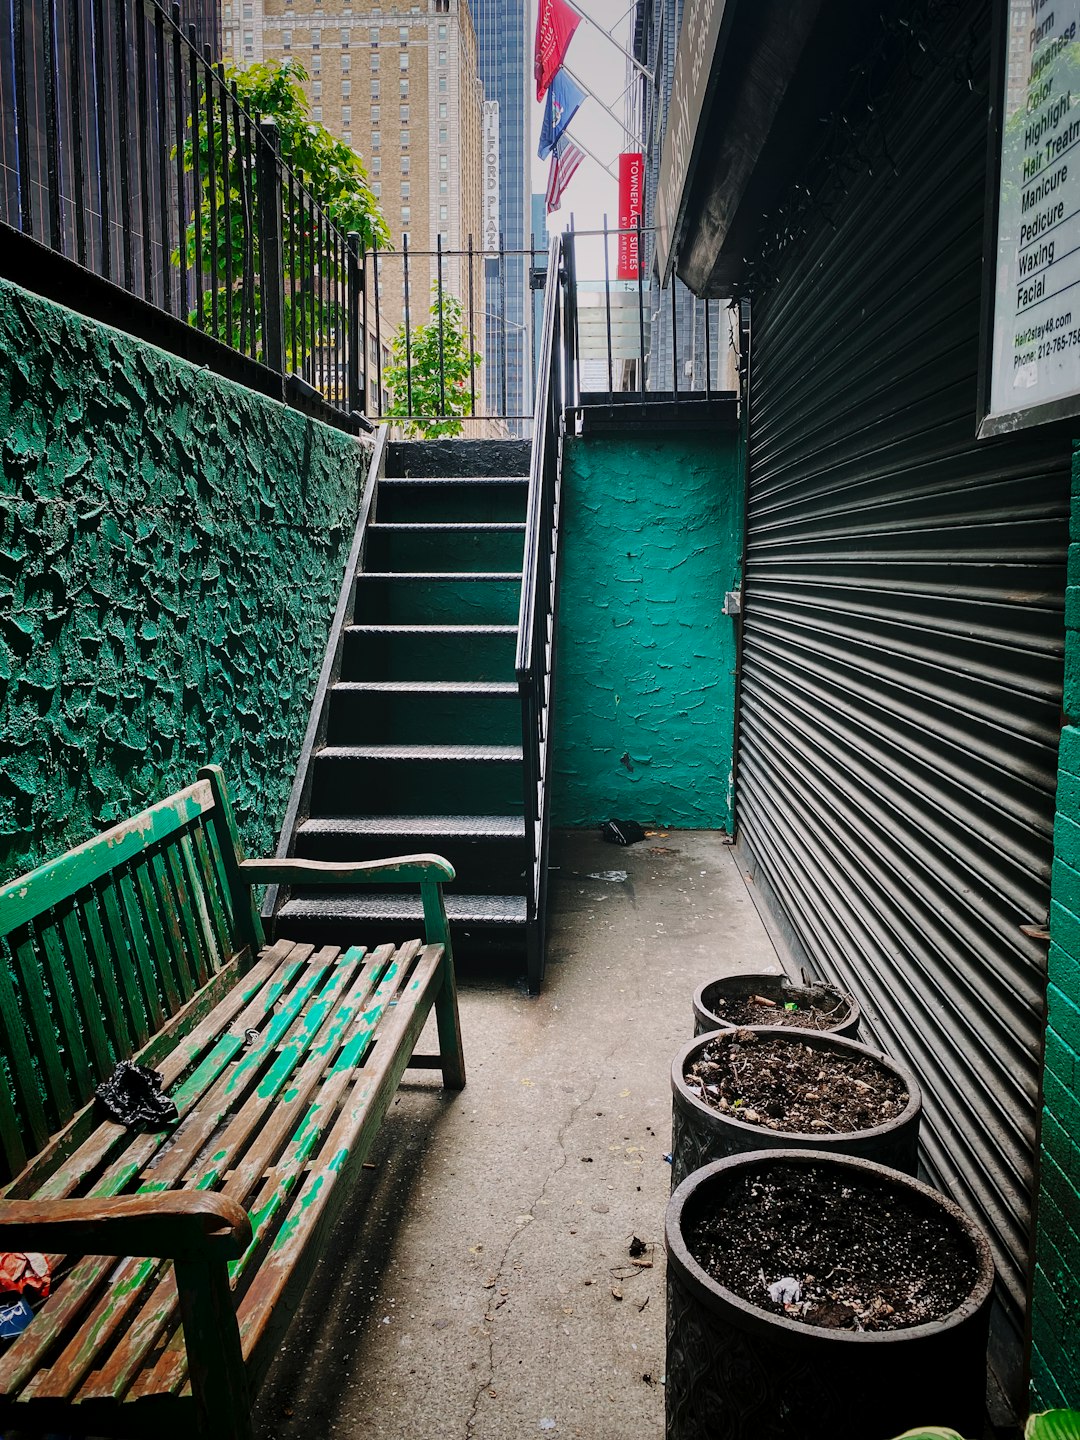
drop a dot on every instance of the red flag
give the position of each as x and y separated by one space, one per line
555 26
565 159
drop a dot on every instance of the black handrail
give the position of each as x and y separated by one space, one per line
556 389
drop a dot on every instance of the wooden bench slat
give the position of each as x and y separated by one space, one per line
111 1019
108 942
170 918
42 1025
70 959
10 1135
198 905
210 838
173 968
191 935
212 887
156 979
67 1017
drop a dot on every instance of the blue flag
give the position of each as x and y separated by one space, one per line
563 101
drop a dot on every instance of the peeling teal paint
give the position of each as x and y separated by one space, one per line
171 549
651 541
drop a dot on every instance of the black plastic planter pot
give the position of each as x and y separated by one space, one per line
700 1133
738 1372
780 989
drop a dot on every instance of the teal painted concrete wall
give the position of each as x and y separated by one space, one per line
651 537
1055 1319
171 549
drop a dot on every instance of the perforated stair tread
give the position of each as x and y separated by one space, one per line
503 576
462 630
444 827
493 754
427 687
455 527
374 906
431 480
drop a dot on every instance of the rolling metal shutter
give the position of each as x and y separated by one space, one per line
902 648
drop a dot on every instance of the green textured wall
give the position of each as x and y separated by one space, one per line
171 549
1055 1316
651 536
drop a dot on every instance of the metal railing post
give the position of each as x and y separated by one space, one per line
355 339
271 271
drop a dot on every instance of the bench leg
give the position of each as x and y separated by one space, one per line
215 1361
449 1024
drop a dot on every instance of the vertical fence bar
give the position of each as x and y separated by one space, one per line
607 316
674 344
708 355
641 314
290 194
52 138
503 350
184 293
243 176
196 161
354 340
226 190
271 276
75 83
408 328
472 332
366 333
211 178
22 120
124 172
142 104
161 112
378 337
442 353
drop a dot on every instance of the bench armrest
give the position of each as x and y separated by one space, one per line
400 870
177 1225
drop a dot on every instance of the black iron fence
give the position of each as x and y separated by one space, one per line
451 336
125 151
635 340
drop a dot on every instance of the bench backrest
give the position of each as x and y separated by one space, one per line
100 948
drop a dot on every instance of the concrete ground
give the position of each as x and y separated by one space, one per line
481 1285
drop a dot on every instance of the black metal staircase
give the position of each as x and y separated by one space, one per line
430 729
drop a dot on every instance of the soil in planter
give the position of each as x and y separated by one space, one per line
756 1010
786 1085
838 1251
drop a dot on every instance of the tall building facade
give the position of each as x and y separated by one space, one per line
503 34
399 83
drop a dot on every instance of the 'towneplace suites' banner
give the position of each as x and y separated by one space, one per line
631 180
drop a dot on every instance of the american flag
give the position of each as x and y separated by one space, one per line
565 159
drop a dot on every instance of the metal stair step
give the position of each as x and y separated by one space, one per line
459 576
476 527
441 827
387 754
364 906
451 631
426 687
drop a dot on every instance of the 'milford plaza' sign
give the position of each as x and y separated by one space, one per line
491 175
1032 371
693 71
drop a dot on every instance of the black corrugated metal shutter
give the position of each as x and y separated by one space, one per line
902 645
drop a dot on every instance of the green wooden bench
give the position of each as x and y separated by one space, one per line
180 1254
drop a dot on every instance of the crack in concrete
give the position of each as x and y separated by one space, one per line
560 1165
